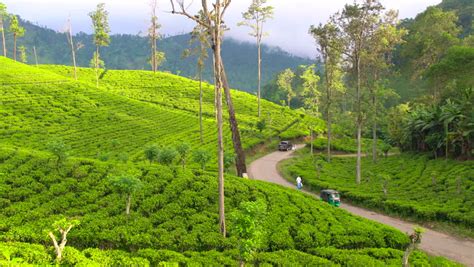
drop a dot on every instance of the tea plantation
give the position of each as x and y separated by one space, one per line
38 106
415 186
174 219
167 90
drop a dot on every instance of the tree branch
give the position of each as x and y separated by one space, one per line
183 12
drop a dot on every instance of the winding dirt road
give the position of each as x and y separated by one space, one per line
435 243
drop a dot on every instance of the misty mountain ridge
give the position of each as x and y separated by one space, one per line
128 51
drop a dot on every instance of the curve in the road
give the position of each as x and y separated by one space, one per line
433 242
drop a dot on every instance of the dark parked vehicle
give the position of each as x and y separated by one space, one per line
285 146
331 196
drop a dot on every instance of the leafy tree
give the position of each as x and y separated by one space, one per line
17 31
22 51
247 226
376 65
357 23
284 81
330 44
3 16
167 155
183 150
255 17
63 226
311 95
101 27
310 92
127 185
261 125
151 153
453 72
202 157
431 34
60 150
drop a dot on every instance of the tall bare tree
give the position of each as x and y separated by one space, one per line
17 31
199 35
357 23
156 57
36 55
3 15
255 17
100 23
328 39
240 164
212 19
71 44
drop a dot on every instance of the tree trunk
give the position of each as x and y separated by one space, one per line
14 46
73 53
216 36
201 134
129 202
153 49
329 137
289 101
446 129
56 246
359 124
97 66
36 56
240 164
3 39
374 130
259 74
311 133
406 256
328 109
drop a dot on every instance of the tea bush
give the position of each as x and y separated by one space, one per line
427 190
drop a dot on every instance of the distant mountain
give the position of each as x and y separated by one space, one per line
465 11
132 52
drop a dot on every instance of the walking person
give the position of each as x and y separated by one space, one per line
299 183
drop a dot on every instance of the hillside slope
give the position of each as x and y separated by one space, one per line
175 212
39 106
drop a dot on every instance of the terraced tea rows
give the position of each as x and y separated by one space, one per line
39 106
176 92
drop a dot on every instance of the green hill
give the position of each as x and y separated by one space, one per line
128 51
132 110
174 218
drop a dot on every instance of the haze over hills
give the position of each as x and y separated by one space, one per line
132 52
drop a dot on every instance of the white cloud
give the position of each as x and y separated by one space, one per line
287 30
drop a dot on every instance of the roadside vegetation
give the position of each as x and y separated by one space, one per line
407 185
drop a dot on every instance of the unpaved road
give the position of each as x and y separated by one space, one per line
435 243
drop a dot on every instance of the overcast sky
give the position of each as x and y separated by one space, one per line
288 29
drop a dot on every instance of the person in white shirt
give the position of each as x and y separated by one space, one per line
299 183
